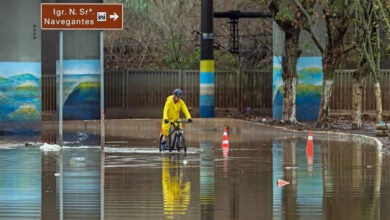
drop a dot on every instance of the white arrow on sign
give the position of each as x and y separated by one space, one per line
114 16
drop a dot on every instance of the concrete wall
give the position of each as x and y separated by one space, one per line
20 22
23 47
81 57
20 69
309 68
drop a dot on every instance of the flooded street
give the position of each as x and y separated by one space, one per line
130 179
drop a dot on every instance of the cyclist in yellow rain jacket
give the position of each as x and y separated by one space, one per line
172 108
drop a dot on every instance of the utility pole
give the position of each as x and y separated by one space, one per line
207 72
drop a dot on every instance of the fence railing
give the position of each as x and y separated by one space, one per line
144 92
342 91
148 89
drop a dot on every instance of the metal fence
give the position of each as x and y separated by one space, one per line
142 93
134 90
342 91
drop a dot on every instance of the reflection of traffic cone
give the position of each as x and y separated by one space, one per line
225 152
309 152
225 164
282 183
225 140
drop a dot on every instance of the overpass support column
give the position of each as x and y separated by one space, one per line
207 100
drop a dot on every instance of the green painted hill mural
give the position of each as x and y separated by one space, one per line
81 89
85 93
20 92
308 94
25 113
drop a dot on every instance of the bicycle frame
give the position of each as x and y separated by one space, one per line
178 134
176 139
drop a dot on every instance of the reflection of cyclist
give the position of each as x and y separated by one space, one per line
172 108
176 190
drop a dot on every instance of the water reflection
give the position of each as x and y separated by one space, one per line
20 183
338 181
352 182
303 197
176 187
49 186
207 179
81 183
342 178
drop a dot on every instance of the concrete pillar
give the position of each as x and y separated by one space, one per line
207 72
310 75
81 72
20 65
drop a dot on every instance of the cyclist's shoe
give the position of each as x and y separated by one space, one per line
163 146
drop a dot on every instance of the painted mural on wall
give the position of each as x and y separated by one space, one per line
308 95
81 89
20 92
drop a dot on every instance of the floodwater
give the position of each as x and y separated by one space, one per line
337 180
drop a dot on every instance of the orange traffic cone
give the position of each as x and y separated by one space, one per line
282 183
225 139
225 143
309 146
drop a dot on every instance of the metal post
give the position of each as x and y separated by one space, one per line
207 81
102 132
60 82
102 175
102 127
61 183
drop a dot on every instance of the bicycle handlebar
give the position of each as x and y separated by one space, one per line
179 122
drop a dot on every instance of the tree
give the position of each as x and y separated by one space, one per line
367 34
291 21
165 34
384 10
337 16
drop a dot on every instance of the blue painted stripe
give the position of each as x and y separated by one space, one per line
206 112
207 77
207 100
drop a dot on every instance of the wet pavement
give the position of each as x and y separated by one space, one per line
130 179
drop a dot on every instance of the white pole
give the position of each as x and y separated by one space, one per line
60 117
60 82
102 132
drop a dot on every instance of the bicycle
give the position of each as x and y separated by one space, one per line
177 140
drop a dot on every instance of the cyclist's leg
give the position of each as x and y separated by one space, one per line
163 137
165 131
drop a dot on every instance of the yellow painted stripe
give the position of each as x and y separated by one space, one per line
207 66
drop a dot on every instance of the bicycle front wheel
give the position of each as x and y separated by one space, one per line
183 144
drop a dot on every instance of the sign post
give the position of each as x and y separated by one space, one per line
82 16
